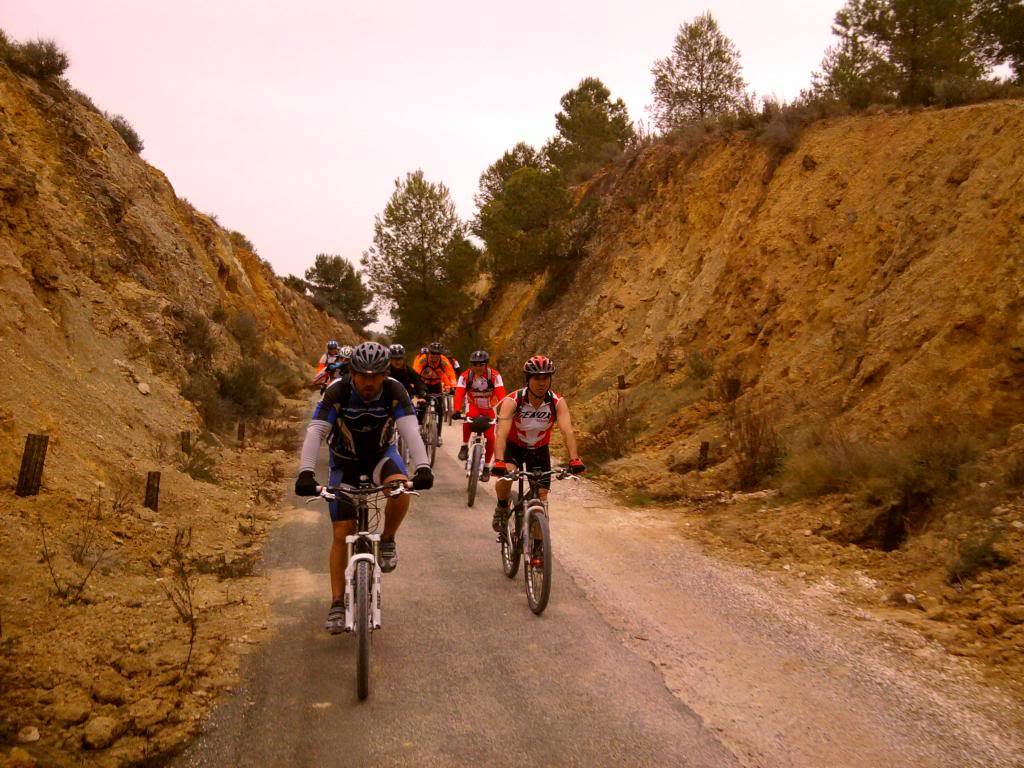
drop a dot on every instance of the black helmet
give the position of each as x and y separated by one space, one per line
397 351
436 348
370 357
538 365
480 356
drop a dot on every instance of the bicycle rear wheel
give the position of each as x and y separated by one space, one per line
537 568
430 437
511 545
362 622
474 473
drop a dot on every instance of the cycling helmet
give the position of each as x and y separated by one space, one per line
370 357
538 365
480 356
332 344
345 352
397 351
436 348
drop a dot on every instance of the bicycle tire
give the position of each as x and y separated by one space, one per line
430 436
511 546
537 594
362 622
474 473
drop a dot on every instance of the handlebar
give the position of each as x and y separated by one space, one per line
397 488
559 473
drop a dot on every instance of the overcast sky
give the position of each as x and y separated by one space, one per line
291 120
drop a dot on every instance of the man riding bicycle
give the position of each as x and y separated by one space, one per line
526 419
437 376
359 419
485 388
402 373
332 365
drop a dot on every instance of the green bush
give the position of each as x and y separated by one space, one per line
244 389
197 336
41 59
198 465
281 376
698 365
978 553
203 390
246 331
127 132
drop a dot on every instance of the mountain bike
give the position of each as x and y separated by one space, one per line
363 573
449 407
430 430
475 457
526 534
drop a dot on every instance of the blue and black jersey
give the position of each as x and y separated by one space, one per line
361 429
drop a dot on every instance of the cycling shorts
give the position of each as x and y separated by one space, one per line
348 471
532 459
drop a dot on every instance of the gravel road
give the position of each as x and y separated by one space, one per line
650 653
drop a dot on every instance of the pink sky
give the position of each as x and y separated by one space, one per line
291 121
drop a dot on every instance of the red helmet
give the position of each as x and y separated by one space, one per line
538 365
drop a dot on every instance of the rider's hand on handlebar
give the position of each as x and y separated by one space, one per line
423 480
577 467
457 416
499 469
306 484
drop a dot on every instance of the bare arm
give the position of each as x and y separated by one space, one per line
565 425
505 413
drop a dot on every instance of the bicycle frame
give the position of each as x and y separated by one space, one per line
372 541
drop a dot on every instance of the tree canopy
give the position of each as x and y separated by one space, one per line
699 79
420 261
591 130
338 289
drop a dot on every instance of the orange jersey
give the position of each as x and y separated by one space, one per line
431 375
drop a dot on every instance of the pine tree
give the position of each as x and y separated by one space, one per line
338 289
420 261
700 79
591 130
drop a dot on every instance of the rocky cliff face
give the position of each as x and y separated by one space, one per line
875 276
101 262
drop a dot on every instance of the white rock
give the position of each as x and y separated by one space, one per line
1017 524
143 387
28 734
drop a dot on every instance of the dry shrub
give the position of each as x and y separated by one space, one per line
240 241
726 386
198 465
127 132
41 59
244 389
759 450
976 554
830 463
197 336
203 391
246 330
954 91
1014 473
699 365
613 431
181 589
282 376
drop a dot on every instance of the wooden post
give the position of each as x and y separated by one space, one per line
622 381
241 434
702 457
186 443
152 491
31 475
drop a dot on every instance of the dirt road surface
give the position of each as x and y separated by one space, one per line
650 653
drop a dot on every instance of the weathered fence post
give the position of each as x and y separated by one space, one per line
31 475
152 491
241 434
702 456
186 443
622 381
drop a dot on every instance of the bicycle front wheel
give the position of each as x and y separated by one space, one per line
362 622
474 473
431 438
537 569
511 545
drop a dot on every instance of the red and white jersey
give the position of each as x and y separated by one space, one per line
482 392
531 427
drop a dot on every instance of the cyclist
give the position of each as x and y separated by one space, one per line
437 376
359 418
332 365
485 389
403 373
526 419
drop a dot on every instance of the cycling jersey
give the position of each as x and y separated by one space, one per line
532 427
440 375
408 378
360 429
484 392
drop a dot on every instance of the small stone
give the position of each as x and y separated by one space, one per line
1014 614
146 713
100 732
28 734
1017 524
19 758
808 532
143 387
73 709
108 688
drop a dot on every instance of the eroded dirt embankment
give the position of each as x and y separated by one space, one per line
113 292
866 296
